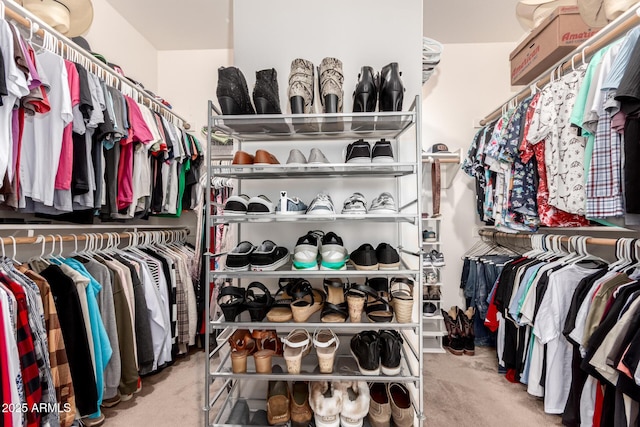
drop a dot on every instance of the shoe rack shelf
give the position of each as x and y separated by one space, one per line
433 326
291 127
276 130
312 171
226 219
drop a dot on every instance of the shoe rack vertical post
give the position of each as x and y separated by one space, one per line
207 267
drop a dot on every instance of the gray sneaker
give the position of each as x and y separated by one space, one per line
355 204
384 203
296 157
316 157
321 205
294 206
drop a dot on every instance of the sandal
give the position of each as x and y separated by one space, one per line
296 345
335 308
356 298
281 305
402 298
268 340
242 345
306 300
378 308
234 304
258 305
326 344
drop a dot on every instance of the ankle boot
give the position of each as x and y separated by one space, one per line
467 325
391 89
301 89
232 92
365 97
453 341
266 96
330 79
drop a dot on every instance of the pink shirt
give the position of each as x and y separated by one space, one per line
65 167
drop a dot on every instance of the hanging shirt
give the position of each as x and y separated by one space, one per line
548 326
564 147
17 87
42 138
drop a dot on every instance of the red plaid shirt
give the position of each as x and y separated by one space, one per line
26 351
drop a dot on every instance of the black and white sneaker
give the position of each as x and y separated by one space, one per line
359 152
382 152
260 205
437 258
388 257
236 205
321 205
268 257
239 259
390 352
355 204
365 348
383 204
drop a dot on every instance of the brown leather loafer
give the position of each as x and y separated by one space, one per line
301 413
278 401
265 158
242 158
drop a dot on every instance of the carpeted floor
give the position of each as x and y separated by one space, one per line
468 391
459 391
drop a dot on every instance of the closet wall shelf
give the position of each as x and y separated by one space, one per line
288 127
88 227
332 170
613 31
426 319
394 218
449 165
433 333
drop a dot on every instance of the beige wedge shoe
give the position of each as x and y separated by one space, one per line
326 343
296 345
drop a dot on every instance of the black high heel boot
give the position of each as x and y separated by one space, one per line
266 96
365 97
232 92
391 88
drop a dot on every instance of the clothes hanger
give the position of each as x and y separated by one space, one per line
620 260
15 250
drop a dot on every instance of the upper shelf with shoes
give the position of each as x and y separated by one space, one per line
261 127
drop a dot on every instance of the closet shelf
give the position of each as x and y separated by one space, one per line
433 333
393 218
336 327
438 317
433 350
265 127
327 170
345 369
286 271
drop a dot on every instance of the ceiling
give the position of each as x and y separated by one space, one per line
207 24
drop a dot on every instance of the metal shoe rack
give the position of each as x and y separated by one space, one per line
222 386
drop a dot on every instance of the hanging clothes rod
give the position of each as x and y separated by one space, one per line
591 240
613 31
50 238
26 19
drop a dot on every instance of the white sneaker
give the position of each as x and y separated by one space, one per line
334 254
236 205
321 205
355 204
317 157
384 203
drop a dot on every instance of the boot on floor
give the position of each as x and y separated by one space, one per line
453 341
468 340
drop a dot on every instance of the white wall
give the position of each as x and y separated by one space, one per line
188 79
470 81
116 39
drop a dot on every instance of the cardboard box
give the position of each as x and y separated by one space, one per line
559 34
